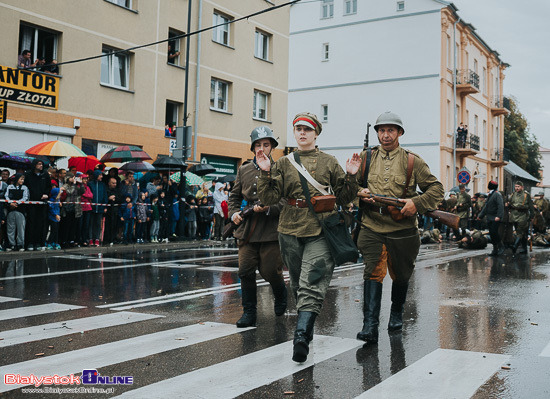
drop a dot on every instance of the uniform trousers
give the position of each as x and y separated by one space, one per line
264 257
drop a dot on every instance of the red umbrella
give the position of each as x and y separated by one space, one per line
83 164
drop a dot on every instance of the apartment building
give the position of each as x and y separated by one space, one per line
118 91
352 60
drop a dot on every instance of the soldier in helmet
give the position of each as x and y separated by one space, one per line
463 205
520 215
542 207
384 242
257 235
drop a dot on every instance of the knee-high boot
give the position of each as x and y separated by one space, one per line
523 245
249 300
372 296
280 294
303 335
515 245
398 297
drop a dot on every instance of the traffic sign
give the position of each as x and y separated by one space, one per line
463 177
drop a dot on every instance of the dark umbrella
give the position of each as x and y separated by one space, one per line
125 153
227 179
169 163
138 167
18 162
202 169
147 177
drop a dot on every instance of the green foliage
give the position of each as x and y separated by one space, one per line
523 146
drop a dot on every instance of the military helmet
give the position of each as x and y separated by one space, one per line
262 132
389 118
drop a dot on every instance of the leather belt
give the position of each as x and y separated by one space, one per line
378 209
297 202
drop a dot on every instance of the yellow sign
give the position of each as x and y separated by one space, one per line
29 87
3 111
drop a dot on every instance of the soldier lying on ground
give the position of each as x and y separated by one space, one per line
474 239
431 237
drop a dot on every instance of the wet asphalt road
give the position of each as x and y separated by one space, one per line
464 310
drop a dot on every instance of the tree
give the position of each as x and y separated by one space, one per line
521 144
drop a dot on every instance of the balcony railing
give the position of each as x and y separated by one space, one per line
470 142
467 76
500 155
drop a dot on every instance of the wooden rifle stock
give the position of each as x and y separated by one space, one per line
230 227
447 218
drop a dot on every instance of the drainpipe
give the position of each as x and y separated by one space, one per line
498 118
197 83
454 101
187 66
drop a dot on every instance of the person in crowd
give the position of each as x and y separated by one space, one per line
431 237
172 54
175 214
303 246
127 217
191 216
167 132
71 211
154 186
463 205
206 214
61 176
3 208
257 236
540 240
474 239
99 200
155 217
494 211
54 217
52 171
39 184
219 196
461 133
24 60
142 217
85 199
521 215
113 173
72 169
16 221
164 213
204 191
112 213
52 68
129 186
384 241
41 63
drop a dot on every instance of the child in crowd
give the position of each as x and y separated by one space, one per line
85 200
16 213
127 216
155 217
191 215
54 217
142 216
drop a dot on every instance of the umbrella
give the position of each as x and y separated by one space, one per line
83 164
18 162
57 149
169 163
202 169
147 177
125 153
138 166
227 179
191 178
455 189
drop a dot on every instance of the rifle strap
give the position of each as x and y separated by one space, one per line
410 164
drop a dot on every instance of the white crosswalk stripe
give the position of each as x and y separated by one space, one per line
8 299
546 351
36 310
237 376
59 329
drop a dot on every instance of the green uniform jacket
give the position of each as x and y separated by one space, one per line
451 203
463 205
387 176
265 223
521 207
283 181
542 205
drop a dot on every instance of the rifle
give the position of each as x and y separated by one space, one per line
230 228
366 143
394 206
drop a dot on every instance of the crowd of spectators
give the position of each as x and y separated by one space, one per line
55 208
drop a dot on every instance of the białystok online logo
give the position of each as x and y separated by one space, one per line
89 377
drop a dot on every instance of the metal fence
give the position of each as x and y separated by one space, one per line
467 76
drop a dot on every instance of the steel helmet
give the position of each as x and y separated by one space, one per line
262 132
389 118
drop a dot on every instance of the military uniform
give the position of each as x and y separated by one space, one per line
520 215
450 205
463 205
542 207
478 206
474 240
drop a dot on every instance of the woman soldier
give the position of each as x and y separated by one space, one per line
303 246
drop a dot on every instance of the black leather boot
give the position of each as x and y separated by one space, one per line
398 297
280 294
372 296
515 245
501 249
303 335
523 246
248 288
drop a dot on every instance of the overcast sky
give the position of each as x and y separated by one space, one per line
519 31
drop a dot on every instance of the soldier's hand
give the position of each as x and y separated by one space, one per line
497 219
258 208
409 209
366 191
353 164
263 161
236 218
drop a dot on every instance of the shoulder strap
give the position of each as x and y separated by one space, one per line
294 159
410 164
366 166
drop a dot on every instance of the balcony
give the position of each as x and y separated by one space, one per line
500 157
467 147
467 82
498 107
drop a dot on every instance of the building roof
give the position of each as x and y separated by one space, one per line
542 149
516 171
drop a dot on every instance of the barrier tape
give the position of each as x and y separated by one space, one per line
63 202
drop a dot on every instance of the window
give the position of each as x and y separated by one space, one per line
40 42
484 134
476 67
175 47
260 105
400 6
115 68
172 112
220 34
484 81
324 113
325 54
350 7
476 131
122 3
449 53
327 8
261 45
219 93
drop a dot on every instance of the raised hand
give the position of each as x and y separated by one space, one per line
353 164
263 161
